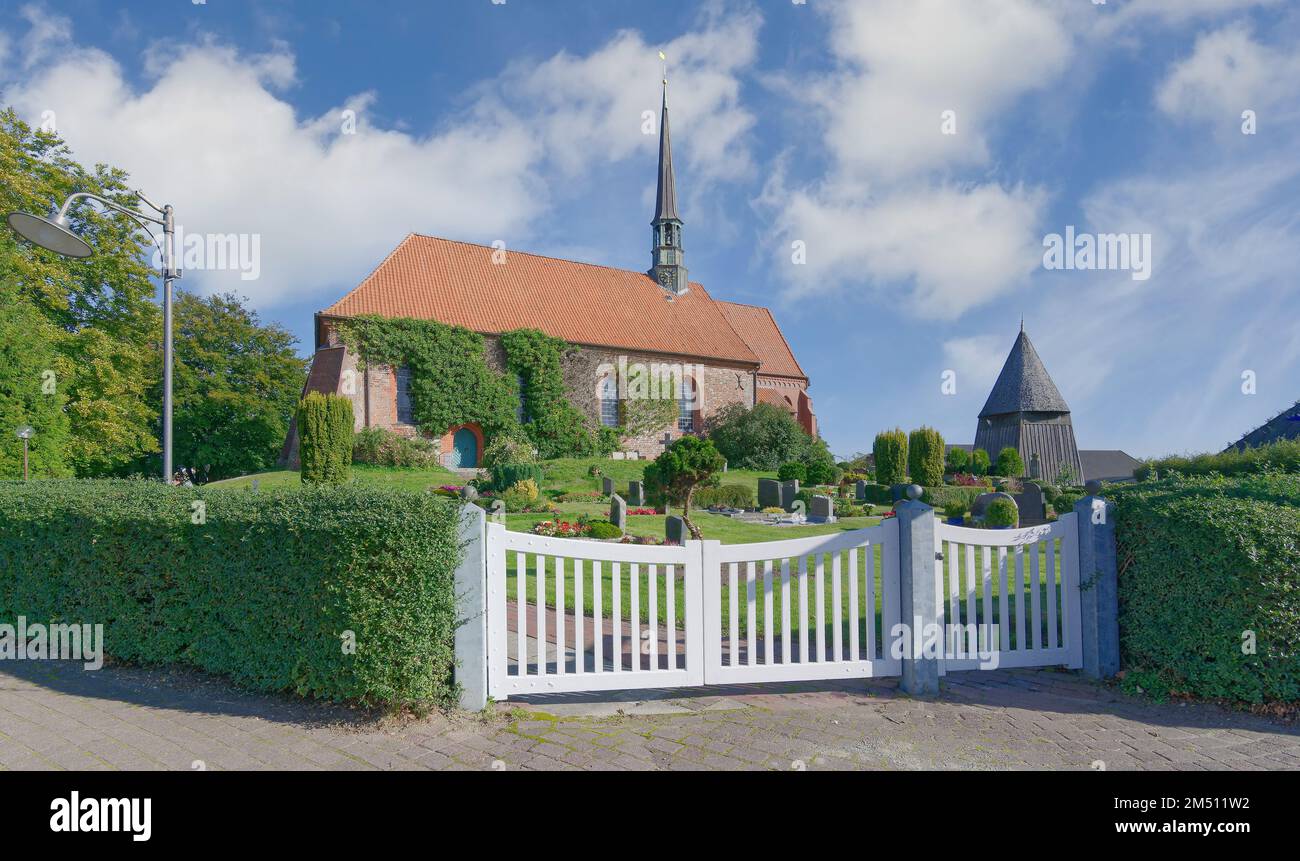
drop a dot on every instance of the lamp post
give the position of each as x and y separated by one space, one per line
25 433
56 235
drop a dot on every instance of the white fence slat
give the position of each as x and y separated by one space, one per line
786 635
837 598
541 615
1020 598
769 635
1051 594
634 615
652 584
1004 643
751 616
559 616
733 606
803 609
579 620
821 607
670 596
957 646
853 602
1035 596
598 618
972 645
616 614
521 611
986 575
869 605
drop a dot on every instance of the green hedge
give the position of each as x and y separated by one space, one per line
947 494
890 451
507 475
877 494
1200 562
727 495
261 591
1280 456
325 424
925 456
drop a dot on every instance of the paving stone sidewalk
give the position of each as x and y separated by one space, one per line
56 716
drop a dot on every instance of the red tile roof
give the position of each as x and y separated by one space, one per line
457 283
776 399
758 327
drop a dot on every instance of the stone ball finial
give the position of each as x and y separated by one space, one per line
914 491
1093 487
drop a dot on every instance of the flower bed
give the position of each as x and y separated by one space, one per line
644 511
561 529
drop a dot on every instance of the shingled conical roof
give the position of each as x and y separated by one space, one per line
1024 384
666 194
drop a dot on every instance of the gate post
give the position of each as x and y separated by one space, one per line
916 536
1098 583
471 610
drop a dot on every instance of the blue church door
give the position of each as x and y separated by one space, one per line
464 449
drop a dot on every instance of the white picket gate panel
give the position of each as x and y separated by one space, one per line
553 650
1009 597
803 608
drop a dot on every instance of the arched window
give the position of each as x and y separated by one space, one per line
686 406
405 414
608 395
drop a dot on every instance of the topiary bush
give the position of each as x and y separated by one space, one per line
925 456
603 529
890 450
267 588
958 460
325 424
793 471
979 462
1009 463
1001 512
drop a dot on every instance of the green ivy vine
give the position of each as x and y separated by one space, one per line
556 427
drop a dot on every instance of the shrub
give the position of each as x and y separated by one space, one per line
688 463
509 474
382 447
792 471
890 449
822 472
325 438
260 591
773 509
1064 501
955 508
878 494
979 462
845 508
603 529
958 460
1200 562
506 448
1280 456
948 494
762 438
726 496
1009 463
925 456
1001 512
520 495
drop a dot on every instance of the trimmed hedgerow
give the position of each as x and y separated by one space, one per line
261 587
1201 563
726 496
947 494
925 456
890 450
1280 456
325 425
507 475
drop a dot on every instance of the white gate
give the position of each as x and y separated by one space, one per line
1009 597
567 615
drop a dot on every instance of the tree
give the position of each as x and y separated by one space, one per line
925 457
979 462
890 449
689 462
29 393
1009 463
325 424
761 438
237 382
958 459
98 315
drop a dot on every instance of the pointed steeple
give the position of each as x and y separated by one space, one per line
1024 384
666 198
667 264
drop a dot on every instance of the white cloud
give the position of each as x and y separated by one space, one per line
45 33
213 134
976 359
1227 73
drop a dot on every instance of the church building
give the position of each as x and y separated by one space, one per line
729 352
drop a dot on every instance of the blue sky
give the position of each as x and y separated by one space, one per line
819 123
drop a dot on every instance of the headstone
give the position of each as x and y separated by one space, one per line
675 530
607 486
822 510
898 492
1034 468
618 455
860 490
636 492
1033 509
789 492
769 493
469 492
618 511
980 506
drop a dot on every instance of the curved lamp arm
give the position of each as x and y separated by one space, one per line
72 198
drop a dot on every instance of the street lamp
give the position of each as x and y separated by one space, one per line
56 235
25 433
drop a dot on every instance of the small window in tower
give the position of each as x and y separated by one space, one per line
686 406
609 402
405 414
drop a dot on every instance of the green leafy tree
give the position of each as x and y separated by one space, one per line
685 465
29 392
103 327
979 462
925 457
793 471
762 438
958 460
325 429
890 449
1009 463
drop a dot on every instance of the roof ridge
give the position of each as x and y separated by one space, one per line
372 273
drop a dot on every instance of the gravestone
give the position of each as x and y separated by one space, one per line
607 486
618 455
636 492
618 511
769 493
980 506
822 510
469 492
1033 509
789 492
860 490
675 530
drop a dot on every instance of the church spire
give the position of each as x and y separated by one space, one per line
667 266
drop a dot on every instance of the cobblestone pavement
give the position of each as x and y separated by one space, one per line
55 716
